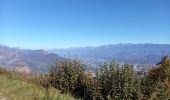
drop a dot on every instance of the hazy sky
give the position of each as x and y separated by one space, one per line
73 23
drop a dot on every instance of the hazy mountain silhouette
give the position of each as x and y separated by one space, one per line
35 60
127 53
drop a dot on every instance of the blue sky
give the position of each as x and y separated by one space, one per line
49 24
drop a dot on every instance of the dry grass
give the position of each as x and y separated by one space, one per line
16 89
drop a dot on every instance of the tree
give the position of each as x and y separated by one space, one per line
68 76
63 74
130 83
118 82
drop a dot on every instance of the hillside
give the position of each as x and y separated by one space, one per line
12 88
33 60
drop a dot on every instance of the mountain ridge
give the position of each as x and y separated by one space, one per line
35 60
127 53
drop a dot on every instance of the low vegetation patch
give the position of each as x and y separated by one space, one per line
14 88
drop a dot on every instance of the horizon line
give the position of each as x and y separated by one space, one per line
87 46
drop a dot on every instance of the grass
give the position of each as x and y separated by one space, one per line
16 89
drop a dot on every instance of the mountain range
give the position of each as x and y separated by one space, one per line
92 57
125 53
34 60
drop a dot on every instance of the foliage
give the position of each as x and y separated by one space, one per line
112 81
68 76
118 82
160 80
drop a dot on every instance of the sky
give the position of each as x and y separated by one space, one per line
47 24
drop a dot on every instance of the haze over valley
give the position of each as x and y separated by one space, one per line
125 53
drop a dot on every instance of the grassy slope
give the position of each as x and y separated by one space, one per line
15 89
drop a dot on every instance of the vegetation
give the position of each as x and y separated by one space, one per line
111 82
15 87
